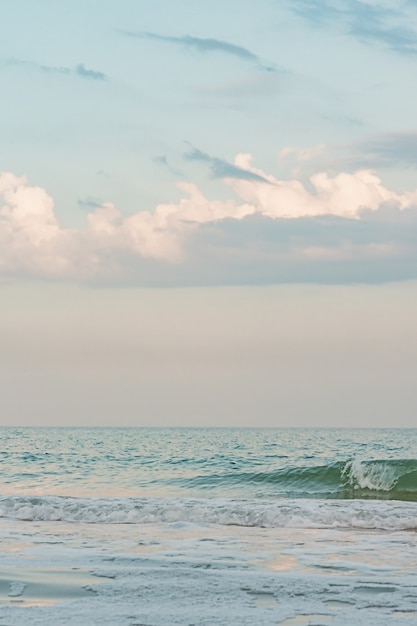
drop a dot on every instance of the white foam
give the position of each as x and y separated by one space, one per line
376 476
359 514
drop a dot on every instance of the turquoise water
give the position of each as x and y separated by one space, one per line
206 463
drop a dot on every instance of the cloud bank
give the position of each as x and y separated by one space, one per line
343 228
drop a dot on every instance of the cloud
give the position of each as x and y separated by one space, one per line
339 229
221 168
343 195
49 69
89 203
384 150
204 45
402 40
302 154
161 159
309 250
345 120
386 24
82 71
387 150
79 70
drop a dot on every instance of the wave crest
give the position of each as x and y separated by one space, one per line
355 478
393 479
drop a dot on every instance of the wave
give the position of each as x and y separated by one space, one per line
299 513
355 478
393 479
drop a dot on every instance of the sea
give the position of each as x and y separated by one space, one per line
208 526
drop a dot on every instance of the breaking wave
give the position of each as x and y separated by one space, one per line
364 479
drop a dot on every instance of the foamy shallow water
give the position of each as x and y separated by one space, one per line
184 573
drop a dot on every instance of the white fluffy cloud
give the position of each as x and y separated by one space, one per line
345 195
32 242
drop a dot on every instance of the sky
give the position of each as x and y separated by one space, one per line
208 213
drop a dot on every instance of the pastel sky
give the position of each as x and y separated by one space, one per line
208 212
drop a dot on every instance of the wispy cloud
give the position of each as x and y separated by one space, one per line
204 45
84 72
50 69
162 159
372 23
394 149
89 203
223 169
79 70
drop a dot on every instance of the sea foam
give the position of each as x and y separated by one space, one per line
298 513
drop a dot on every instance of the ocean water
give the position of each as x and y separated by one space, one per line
153 526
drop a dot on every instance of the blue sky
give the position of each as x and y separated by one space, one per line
221 146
